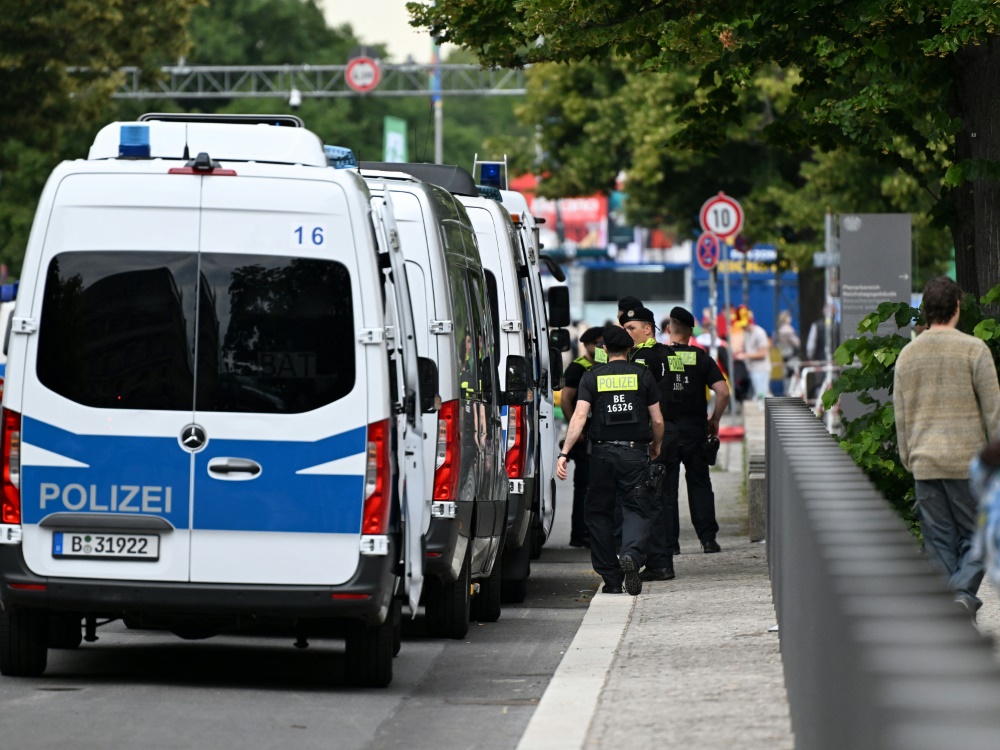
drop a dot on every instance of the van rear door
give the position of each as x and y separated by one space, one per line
282 385
105 385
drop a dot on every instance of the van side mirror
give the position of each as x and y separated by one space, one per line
554 268
427 372
555 368
559 339
559 306
518 379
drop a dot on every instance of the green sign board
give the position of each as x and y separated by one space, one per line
394 140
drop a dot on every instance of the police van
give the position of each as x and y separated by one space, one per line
210 419
463 439
551 340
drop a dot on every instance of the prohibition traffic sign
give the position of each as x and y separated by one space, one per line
707 250
721 215
362 74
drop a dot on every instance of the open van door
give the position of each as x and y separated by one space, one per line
416 508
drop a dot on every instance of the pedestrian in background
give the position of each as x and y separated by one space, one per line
756 355
590 339
947 406
625 434
788 342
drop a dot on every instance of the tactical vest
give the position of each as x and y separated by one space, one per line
684 385
652 355
585 363
619 411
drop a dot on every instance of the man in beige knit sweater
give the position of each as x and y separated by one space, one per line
947 404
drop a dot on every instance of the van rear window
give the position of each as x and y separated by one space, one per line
274 335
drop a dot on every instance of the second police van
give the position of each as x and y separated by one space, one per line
210 419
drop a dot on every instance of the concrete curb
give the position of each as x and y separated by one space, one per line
567 707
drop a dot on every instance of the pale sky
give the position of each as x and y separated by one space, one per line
384 21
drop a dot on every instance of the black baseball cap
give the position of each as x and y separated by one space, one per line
642 314
629 303
617 338
591 334
682 316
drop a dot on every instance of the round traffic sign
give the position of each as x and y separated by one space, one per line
721 215
707 250
362 74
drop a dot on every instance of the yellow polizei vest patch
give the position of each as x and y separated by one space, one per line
625 382
676 363
688 358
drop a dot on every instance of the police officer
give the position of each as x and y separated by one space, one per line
591 339
625 432
690 371
651 354
624 305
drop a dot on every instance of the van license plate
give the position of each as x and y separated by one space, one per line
81 544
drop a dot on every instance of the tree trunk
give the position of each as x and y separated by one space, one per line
976 226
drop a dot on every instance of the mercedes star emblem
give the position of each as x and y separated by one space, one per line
193 438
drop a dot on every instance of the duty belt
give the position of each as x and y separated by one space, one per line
624 443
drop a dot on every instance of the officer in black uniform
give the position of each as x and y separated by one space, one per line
592 338
625 433
653 355
624 305
690 371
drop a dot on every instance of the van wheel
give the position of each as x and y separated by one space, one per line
448 605
23 642
65 631
537 540
397 626
368 657
486 604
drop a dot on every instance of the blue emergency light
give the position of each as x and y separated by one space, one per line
491 176
8 292
134 142
340 157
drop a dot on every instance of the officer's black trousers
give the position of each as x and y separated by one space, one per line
581 480
616 473
683 442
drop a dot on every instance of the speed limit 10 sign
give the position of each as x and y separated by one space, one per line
721 215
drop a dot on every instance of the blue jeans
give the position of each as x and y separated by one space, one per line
948 513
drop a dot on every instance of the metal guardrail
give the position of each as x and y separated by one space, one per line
876 654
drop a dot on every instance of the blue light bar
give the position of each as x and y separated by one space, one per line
340 157
8 292
134 142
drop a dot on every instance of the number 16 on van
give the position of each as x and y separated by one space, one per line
304 235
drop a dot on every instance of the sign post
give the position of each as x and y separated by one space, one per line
723 216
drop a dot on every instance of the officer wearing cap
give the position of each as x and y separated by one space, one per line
591 339
625 433
625 304
690 371
653 355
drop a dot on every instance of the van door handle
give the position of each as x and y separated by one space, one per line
233 469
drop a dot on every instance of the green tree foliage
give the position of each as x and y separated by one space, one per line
869 368
909 85
47 111
56 115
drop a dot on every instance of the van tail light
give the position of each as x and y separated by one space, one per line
10 510
515 442
446 460
377 481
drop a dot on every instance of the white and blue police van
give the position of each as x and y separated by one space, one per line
209 403
551 339
463 437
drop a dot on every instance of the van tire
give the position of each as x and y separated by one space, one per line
65 631
397 626
23 642
517 568
448 605
536 539
486 604
368 654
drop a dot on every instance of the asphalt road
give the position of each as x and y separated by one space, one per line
143 690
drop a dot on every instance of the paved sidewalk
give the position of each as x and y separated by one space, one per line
695 666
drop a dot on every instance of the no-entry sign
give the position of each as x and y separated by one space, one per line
362 74
721 215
